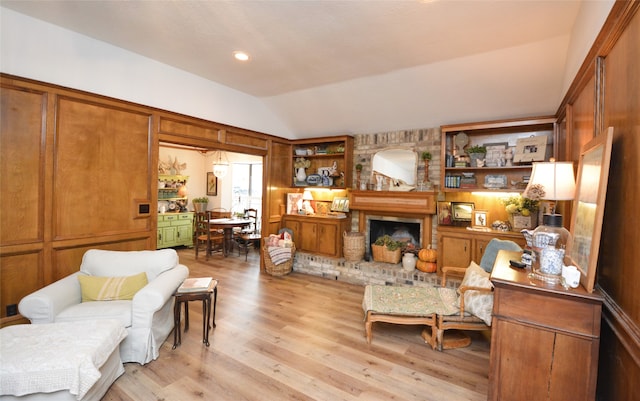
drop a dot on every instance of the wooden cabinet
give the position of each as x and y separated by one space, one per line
458 246
175 229
498 174
545 339
324 152
321 235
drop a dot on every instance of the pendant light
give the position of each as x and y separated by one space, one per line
220 164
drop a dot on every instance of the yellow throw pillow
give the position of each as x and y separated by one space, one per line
111 288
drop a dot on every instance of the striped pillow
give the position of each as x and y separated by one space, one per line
111 288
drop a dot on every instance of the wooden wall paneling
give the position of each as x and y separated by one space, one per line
618 273
278 178
245 139
602 98
176 130
67 259
19 276
22 140
102 164
582 130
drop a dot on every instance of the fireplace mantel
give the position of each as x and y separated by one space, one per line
420 205
394 202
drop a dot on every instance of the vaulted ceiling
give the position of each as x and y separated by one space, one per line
330 67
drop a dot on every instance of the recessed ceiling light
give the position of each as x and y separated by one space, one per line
242 56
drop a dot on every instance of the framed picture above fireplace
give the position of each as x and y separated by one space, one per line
462 211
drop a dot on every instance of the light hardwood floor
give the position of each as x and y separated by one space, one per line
298 337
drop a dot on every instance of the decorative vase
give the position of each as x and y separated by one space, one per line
409 262
426 170
519 222
301 175
475 157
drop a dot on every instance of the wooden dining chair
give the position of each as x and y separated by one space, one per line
204 237
248 237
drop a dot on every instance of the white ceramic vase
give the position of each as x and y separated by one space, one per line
301 175
409 262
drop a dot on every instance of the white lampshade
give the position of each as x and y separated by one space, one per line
307 196
557 179
220 164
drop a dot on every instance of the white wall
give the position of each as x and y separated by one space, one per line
198 164
589 22
31 48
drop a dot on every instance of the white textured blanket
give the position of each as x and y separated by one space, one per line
279 255
43 358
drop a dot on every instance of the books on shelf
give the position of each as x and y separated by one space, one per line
195 284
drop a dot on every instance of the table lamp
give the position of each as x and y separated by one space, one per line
306 204
550 239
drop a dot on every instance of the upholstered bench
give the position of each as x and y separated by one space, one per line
60 361
407 305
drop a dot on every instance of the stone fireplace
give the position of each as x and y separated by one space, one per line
404 229
404 207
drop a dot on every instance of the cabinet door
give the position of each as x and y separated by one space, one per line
478 249
327 239
456 251
184 234
308 237
522 371
169 236
294 226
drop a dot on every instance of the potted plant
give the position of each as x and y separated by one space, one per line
200 204
522 209
426 157
386 249
476 152
358 173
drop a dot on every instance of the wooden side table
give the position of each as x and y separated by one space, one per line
544 338
184 298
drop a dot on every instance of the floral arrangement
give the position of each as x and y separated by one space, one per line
527 203
301 162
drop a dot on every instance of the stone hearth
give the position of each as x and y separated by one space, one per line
364 272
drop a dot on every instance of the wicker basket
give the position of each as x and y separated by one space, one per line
382 254
353 248
282 268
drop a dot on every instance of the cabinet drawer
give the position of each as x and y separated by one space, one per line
556 313
185 217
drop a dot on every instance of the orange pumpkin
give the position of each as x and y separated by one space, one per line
427 254
427 267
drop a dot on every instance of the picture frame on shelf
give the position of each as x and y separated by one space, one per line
340 204
495 154
445 218
461 211
480 218
294 203
531 149
212 184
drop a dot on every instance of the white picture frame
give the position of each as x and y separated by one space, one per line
531 149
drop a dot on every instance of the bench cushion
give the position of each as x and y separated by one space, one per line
409 301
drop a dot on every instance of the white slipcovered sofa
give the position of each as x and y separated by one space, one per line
148 317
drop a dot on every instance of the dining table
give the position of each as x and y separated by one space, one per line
227 225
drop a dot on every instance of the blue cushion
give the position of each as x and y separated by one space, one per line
490 253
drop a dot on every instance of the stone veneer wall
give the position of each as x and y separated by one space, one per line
363 273
419 140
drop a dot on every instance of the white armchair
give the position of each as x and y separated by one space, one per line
148 317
